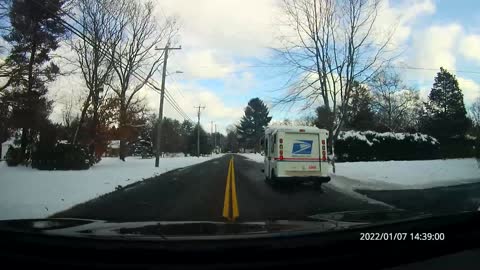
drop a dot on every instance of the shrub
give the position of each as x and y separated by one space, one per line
459 147
13 156
61 157
369 146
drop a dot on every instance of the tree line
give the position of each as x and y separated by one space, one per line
382 104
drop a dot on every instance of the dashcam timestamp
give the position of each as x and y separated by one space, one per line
424 236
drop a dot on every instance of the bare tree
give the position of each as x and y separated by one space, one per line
475 113
393 102
135 55
334 44
102 23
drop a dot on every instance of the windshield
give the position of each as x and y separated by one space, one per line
238 111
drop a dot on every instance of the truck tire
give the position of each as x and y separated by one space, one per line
273 179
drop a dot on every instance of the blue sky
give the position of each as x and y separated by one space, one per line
225 55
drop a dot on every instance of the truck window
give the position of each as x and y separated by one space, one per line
265 145
273 143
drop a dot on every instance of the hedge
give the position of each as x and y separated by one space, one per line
371 146
61 157
458 147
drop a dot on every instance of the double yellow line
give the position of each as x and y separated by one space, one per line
230 213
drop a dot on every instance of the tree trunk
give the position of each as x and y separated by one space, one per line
24 140
122 128
94 125
82 118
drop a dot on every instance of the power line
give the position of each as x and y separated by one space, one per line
78 33
177 89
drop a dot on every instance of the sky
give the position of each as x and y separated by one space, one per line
225 56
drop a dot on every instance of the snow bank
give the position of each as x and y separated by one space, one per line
411 174
30 193
252 156
401 174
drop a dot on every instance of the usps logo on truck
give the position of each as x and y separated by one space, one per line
302 147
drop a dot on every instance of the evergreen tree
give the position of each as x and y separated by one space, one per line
186 131
360 114
446 111
253 123
324 117
205 146
5 130
36 29
231 141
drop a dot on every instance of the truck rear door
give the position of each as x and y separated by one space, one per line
303 150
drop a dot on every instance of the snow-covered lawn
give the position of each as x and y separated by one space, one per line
30 193
401 174
412 174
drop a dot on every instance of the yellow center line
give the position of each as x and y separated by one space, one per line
230 194
226 203
234 194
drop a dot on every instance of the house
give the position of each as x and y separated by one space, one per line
113 149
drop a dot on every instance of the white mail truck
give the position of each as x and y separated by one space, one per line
296 153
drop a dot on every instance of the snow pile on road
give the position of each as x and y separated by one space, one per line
401 174
252 156
30 193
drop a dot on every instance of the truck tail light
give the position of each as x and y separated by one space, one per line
281 146
281 140
281 152
323 142
281 157
324 156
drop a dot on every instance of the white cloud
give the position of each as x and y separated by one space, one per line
470 89
205 64
470 47
241 27
435 46
401 17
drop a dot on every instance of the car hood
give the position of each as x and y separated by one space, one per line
170 230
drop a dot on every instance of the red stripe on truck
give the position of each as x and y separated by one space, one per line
305 159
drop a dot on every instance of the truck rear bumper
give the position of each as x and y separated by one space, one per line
301 179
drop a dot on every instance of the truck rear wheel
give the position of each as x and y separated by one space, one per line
273 178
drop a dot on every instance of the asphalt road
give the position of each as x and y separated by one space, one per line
197 193
465 197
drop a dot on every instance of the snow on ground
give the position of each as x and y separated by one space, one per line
401 174
31 193
411 174
252 156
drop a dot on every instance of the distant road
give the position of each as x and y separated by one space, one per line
197 193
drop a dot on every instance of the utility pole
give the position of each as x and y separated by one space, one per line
215 139
198 129
162 95
211 134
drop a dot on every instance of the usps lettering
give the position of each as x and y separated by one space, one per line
302 147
